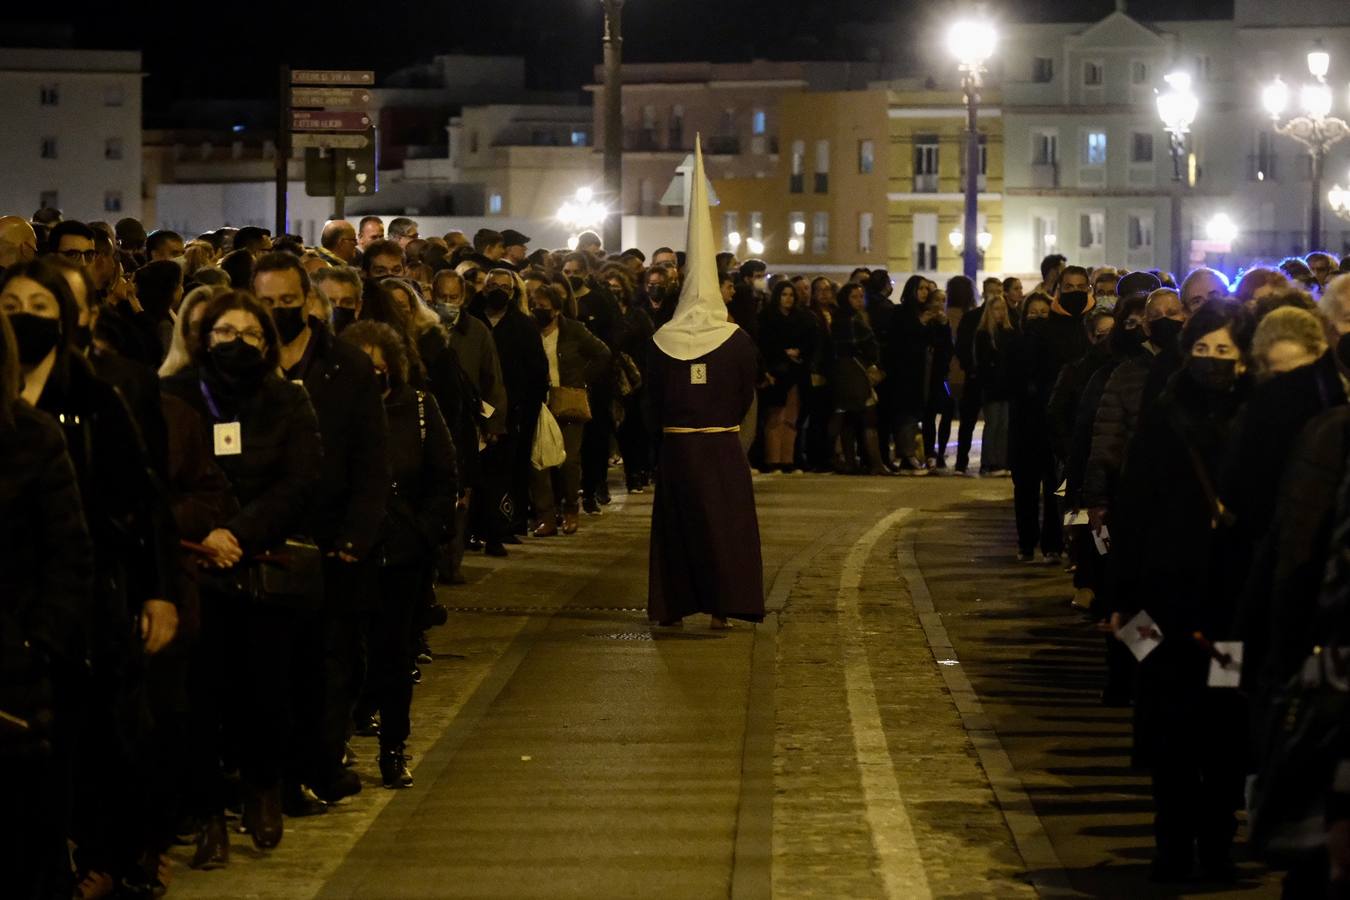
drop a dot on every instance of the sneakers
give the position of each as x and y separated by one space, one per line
590 504
394 769
1050 559
1025 557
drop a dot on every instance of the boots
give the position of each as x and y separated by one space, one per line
872 451
213 845
262 815
394 768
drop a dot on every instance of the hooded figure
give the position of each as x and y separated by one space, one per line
705 553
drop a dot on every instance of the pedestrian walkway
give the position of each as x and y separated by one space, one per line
563 749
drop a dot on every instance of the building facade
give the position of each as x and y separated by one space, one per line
1088 172
72 132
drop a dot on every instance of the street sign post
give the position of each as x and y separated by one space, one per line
324 120
319 140
332 76
340 173
330 98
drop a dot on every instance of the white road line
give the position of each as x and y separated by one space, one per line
902 870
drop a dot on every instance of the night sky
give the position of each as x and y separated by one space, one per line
222 51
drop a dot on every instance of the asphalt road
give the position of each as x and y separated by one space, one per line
918 717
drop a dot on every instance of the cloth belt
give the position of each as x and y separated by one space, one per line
715 429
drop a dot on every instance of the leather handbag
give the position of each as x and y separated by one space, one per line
291 575
569 404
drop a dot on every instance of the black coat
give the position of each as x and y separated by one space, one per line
424 486
46 569
1065 338
600 313
991 359
855 350
125 505
1032 371
965 343
583 359
1123 401
1278 623
1065 399
1164 559
905 361
779 333
274 479
350 500
937 365
524 368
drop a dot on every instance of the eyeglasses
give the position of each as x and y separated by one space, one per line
223 334
86 256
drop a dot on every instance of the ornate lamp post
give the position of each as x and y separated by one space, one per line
1317 130
1177 107
972 42
613 231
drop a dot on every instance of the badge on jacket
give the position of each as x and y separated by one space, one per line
228 440
698 373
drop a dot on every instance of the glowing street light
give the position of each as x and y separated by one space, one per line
755 246
1177 108
734 241
582 212
972 42
1316 129
1339 198
1221 229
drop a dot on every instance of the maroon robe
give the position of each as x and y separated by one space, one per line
705 554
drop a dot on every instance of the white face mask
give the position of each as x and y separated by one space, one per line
761 284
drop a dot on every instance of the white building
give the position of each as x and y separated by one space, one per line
72 137
1087 166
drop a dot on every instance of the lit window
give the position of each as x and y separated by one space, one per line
495 204
796 181
796 242
579 138
757 226
820 233
759 121
865 232
1094 148
867 157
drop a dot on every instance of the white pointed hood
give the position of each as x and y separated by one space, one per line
700 323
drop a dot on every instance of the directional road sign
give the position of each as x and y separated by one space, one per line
319 140
330 98
332 76
321 120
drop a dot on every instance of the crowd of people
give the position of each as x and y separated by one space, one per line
235 468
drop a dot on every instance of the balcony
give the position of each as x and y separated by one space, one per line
642 140
925 183
1045 175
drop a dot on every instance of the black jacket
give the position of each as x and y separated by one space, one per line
524 367
1117 415
1062 410
777 334
600 313
125 504
855 351
350 499
965 343
274 479
583 359
1032 371
46 569
905 361
1065 338
424 485
991 360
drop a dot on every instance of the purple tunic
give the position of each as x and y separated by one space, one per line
705 554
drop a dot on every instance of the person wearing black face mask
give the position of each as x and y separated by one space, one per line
1065 336
576 359
265 438
345 519
134 543
422 495
498 511
1169 540
599 311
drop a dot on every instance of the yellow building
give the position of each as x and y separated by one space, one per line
820 206
864 178
926 192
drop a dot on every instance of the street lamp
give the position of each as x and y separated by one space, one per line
1221 229
972 42
583 212
613 235
734 241
1177 107
1317 130
1339 198
755 246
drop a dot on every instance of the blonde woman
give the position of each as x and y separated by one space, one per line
993 339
